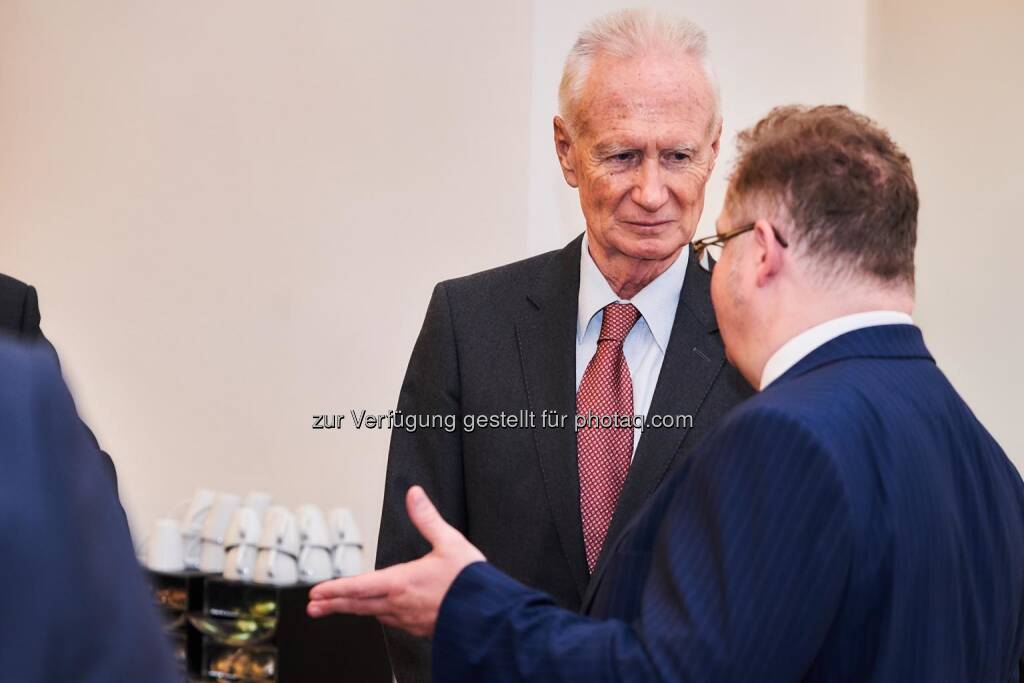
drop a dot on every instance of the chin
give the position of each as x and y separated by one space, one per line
649 247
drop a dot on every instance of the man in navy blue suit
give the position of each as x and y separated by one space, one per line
73 605
853 521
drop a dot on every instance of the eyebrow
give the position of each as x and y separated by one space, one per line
688 149
604 149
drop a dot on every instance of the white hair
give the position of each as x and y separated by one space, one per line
631 33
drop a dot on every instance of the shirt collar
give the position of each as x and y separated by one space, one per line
793 351
656 302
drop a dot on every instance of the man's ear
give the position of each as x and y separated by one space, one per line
563 148
768 252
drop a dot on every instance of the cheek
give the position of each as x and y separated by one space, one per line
689 188
721 301
726 294
604 192
714 287
718 293
607 186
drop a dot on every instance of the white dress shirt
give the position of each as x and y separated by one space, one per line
793 351
646 343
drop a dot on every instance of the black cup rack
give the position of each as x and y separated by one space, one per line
176 594
251 633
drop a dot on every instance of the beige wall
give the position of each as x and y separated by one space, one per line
235 211
945 77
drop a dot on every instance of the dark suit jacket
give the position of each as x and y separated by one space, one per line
19 319
504 341
74 606
853 522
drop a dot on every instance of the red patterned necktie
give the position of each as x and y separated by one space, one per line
603 454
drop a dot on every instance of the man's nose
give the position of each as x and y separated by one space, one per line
650 191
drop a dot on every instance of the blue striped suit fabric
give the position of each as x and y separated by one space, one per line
852 522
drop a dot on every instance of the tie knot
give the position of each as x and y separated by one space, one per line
618 321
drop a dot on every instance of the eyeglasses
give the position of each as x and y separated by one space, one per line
713 244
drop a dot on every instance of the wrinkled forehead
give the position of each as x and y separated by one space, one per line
644 92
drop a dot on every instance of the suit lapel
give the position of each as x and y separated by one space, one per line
692 361
546 334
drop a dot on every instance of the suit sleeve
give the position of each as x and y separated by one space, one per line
75 566
744 580
431 458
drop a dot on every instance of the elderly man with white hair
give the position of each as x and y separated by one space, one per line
579 379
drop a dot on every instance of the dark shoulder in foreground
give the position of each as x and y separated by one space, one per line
24 365
53 489
12 304
10 286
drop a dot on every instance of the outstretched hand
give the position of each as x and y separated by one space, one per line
407 596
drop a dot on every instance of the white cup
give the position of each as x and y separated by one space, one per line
200 505
315 553
211 560
165 551
280 531
315 564
347 542
312 526
277 561
347 560
275 568
258 501
240 545
343 527
192 526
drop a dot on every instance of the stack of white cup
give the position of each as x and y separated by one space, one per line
211 559
251 540
278 555
192 526
315 555
243 534
347 556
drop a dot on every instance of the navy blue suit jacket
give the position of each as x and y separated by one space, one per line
852 522
73 604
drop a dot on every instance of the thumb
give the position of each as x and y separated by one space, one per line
425 517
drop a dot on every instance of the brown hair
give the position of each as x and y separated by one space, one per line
846 187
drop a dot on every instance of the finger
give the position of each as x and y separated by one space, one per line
425 516
369 606
339 588
323 608
363 586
